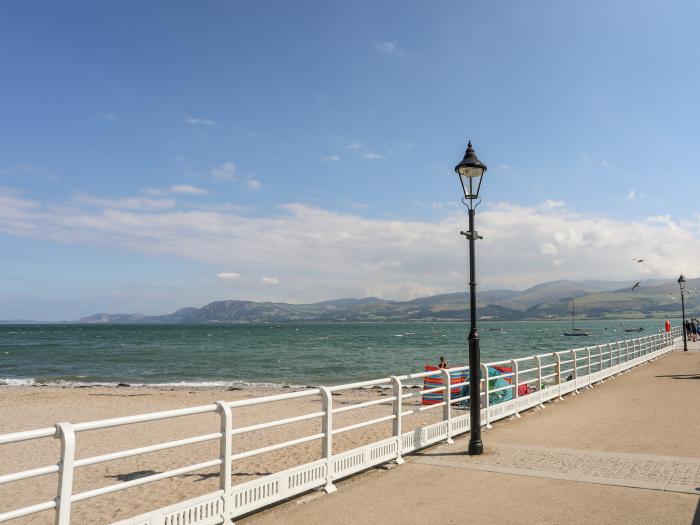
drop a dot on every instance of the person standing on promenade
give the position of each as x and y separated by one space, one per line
442 363
687 328
694 329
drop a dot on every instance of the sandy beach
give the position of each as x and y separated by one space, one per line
26 408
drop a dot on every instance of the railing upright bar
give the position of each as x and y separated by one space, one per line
225 452
485 390
588 363
66 435
327 444
447 408
516 382
539 379
600 362
396 423
557 372
574 377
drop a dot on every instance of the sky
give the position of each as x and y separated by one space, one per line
157 155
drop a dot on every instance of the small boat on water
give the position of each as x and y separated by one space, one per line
575 332
638 329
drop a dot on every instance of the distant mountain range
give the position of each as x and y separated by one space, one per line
545 301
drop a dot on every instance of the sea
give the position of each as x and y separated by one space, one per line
296 354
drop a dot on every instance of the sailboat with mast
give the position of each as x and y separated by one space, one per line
575 332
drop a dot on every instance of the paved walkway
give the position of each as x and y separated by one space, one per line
627 451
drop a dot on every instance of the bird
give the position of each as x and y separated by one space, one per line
636 285
638 260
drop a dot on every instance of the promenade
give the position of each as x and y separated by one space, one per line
626 451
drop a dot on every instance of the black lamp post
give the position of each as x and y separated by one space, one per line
471 171
681 285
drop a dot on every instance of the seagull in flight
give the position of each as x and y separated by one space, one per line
638 260
636 285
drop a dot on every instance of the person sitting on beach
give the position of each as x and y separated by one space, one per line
443 363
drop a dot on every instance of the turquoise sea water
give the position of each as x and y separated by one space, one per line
297 354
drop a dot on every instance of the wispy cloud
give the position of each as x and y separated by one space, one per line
354 145
269 280
605 163
228 276
184 189
32 170
633 195
389 48
372 156
226 171
200 121
252 183
330 158
505 167
125 203
103 116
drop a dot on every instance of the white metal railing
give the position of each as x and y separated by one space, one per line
546 375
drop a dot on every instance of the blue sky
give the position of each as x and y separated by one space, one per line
165 154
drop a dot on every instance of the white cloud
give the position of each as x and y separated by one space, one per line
200 121
372 156
549 249
188 189
354 145
605 163
380 265
330 158
126 203
631 195
226 171
552 204
387 47
185 189
252 183
228 276
269 280
505 167
326 254
436 205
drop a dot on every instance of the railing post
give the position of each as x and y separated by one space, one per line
600 362
485 390
327 444
574 375
225 451
588 362
65 473
539 379
619 355
396 424
516 388
557 372
447 399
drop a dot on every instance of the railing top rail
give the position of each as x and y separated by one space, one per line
27 435
273 398
142 418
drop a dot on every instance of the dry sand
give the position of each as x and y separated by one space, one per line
26 408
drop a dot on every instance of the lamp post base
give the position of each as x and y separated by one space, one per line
476 447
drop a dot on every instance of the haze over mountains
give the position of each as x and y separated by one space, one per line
545 301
